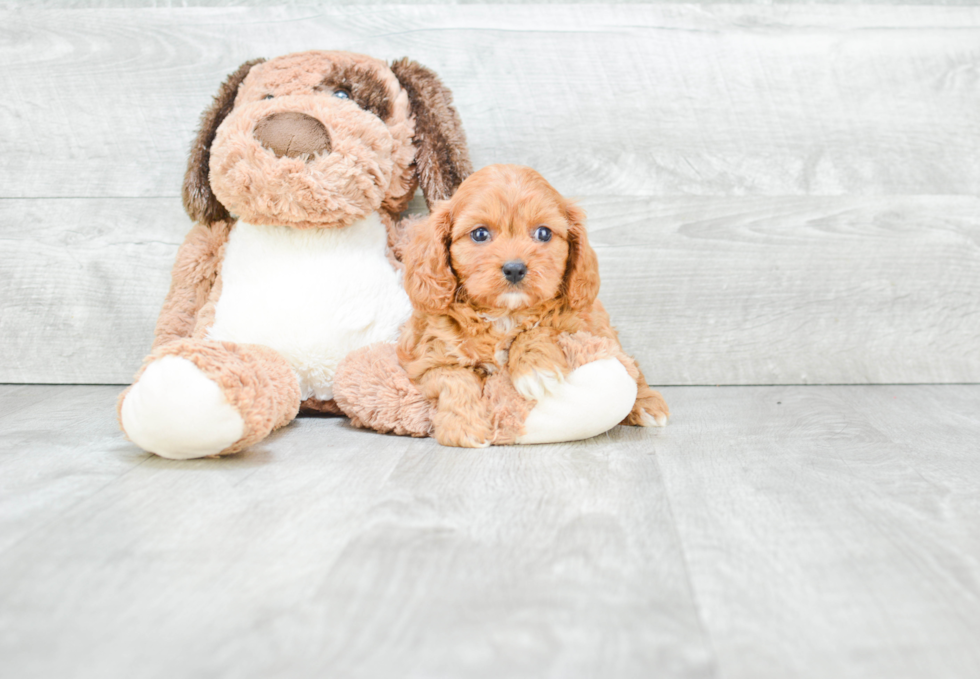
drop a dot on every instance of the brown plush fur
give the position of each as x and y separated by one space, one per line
375 393
367 163
192 282
470 322
199 200
443 160
365 86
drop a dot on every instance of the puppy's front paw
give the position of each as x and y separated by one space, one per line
535 384
452 430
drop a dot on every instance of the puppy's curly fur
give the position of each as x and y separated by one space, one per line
471 320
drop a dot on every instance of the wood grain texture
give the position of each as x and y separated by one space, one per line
794 290
329 551
782 532
820 147
630 100
704 291
81 285
818 523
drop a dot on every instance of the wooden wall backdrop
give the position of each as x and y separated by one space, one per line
778 194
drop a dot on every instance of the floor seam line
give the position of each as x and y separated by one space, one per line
705 633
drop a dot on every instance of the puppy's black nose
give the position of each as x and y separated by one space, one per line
514 271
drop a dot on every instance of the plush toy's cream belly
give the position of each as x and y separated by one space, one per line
314 295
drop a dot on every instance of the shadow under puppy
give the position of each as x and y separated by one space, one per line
504 287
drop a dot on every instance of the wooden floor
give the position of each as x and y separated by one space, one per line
767 532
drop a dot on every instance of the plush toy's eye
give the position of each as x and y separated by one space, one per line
268 96
480 234
342 94
543 234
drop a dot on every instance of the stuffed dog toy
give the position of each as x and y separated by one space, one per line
504 287
297 179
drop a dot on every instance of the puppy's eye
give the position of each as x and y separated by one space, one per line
543 234
480 234
268 96
342 94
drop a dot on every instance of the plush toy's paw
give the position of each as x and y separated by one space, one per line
535 384
372 389
175 411
593 398
650 410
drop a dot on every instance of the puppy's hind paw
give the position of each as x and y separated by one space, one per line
653 419
650 410
537 384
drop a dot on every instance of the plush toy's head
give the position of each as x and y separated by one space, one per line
322 139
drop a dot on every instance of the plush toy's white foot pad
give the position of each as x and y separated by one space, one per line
592 399
175 411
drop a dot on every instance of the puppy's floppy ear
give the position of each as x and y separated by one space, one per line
199 201
581 283
429 278
442 159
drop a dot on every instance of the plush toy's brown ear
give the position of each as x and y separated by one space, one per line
442 160
581 283
429 278
199 201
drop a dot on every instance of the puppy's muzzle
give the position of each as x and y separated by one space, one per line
292 134
514 271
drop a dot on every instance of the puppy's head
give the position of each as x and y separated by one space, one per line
321 139
506 240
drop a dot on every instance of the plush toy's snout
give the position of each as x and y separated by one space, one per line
292 134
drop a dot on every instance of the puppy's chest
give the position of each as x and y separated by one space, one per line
314 295
489 348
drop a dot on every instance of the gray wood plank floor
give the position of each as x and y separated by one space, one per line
767 532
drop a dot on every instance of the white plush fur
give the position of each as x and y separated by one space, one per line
314 295
591 400
175 411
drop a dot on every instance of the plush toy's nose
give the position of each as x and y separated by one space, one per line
292 134
514 271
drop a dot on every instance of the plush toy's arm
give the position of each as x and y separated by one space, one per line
192 279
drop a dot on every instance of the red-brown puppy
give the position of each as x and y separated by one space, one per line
495 275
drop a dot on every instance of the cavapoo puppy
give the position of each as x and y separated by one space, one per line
495 276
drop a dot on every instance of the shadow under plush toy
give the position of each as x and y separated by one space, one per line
296 183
